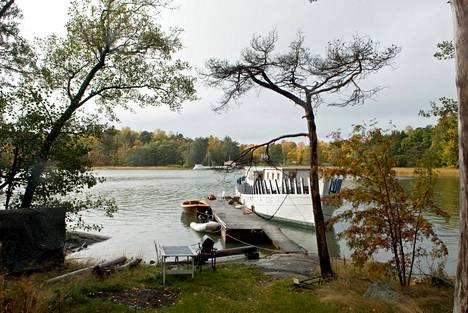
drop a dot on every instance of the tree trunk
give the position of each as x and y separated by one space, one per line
41 159
460 15
11 178
320 227
6 7
38 168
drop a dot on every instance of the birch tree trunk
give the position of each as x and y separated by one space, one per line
460 16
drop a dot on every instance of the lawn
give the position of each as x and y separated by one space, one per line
231 288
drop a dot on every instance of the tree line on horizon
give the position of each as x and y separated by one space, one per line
436 145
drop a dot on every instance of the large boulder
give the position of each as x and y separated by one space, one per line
31 239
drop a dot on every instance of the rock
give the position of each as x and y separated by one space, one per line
286 265
380 291
31 239
76 241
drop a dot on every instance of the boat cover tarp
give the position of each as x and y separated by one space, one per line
31 239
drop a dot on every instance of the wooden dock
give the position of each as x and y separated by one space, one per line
250 228
281 241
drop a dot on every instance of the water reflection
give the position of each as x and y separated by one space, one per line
446 196
186 219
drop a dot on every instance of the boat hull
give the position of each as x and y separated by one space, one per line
291 208
195 207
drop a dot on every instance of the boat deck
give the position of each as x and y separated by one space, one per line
250 228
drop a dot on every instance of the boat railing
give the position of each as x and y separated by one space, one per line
286 186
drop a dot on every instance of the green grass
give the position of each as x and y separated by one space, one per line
242 289
231 288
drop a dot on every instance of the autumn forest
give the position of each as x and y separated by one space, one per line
436 144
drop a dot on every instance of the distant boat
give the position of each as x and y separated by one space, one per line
283 193
201 167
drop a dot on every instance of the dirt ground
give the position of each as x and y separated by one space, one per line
140 298
276 265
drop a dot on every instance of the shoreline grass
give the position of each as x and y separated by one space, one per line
400 171
231 288
441 171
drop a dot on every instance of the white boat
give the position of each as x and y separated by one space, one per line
283 193
208 227
201 167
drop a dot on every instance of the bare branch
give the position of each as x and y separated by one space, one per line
267 144
102 90
5 8
297 74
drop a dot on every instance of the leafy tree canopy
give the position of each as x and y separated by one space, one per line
16 56
114 53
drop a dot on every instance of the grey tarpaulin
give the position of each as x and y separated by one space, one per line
31 239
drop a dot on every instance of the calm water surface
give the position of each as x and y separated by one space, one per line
149 211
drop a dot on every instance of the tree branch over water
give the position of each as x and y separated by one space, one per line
250 150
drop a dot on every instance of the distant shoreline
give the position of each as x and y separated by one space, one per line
441 171
174 167
401 171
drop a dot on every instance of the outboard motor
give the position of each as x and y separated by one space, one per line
207 244
207 250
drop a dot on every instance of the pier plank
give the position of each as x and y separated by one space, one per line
232 218
246 227
281 241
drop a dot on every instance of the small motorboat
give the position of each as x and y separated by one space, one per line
191 206
200 209
208 227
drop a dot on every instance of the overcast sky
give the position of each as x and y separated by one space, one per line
222 28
